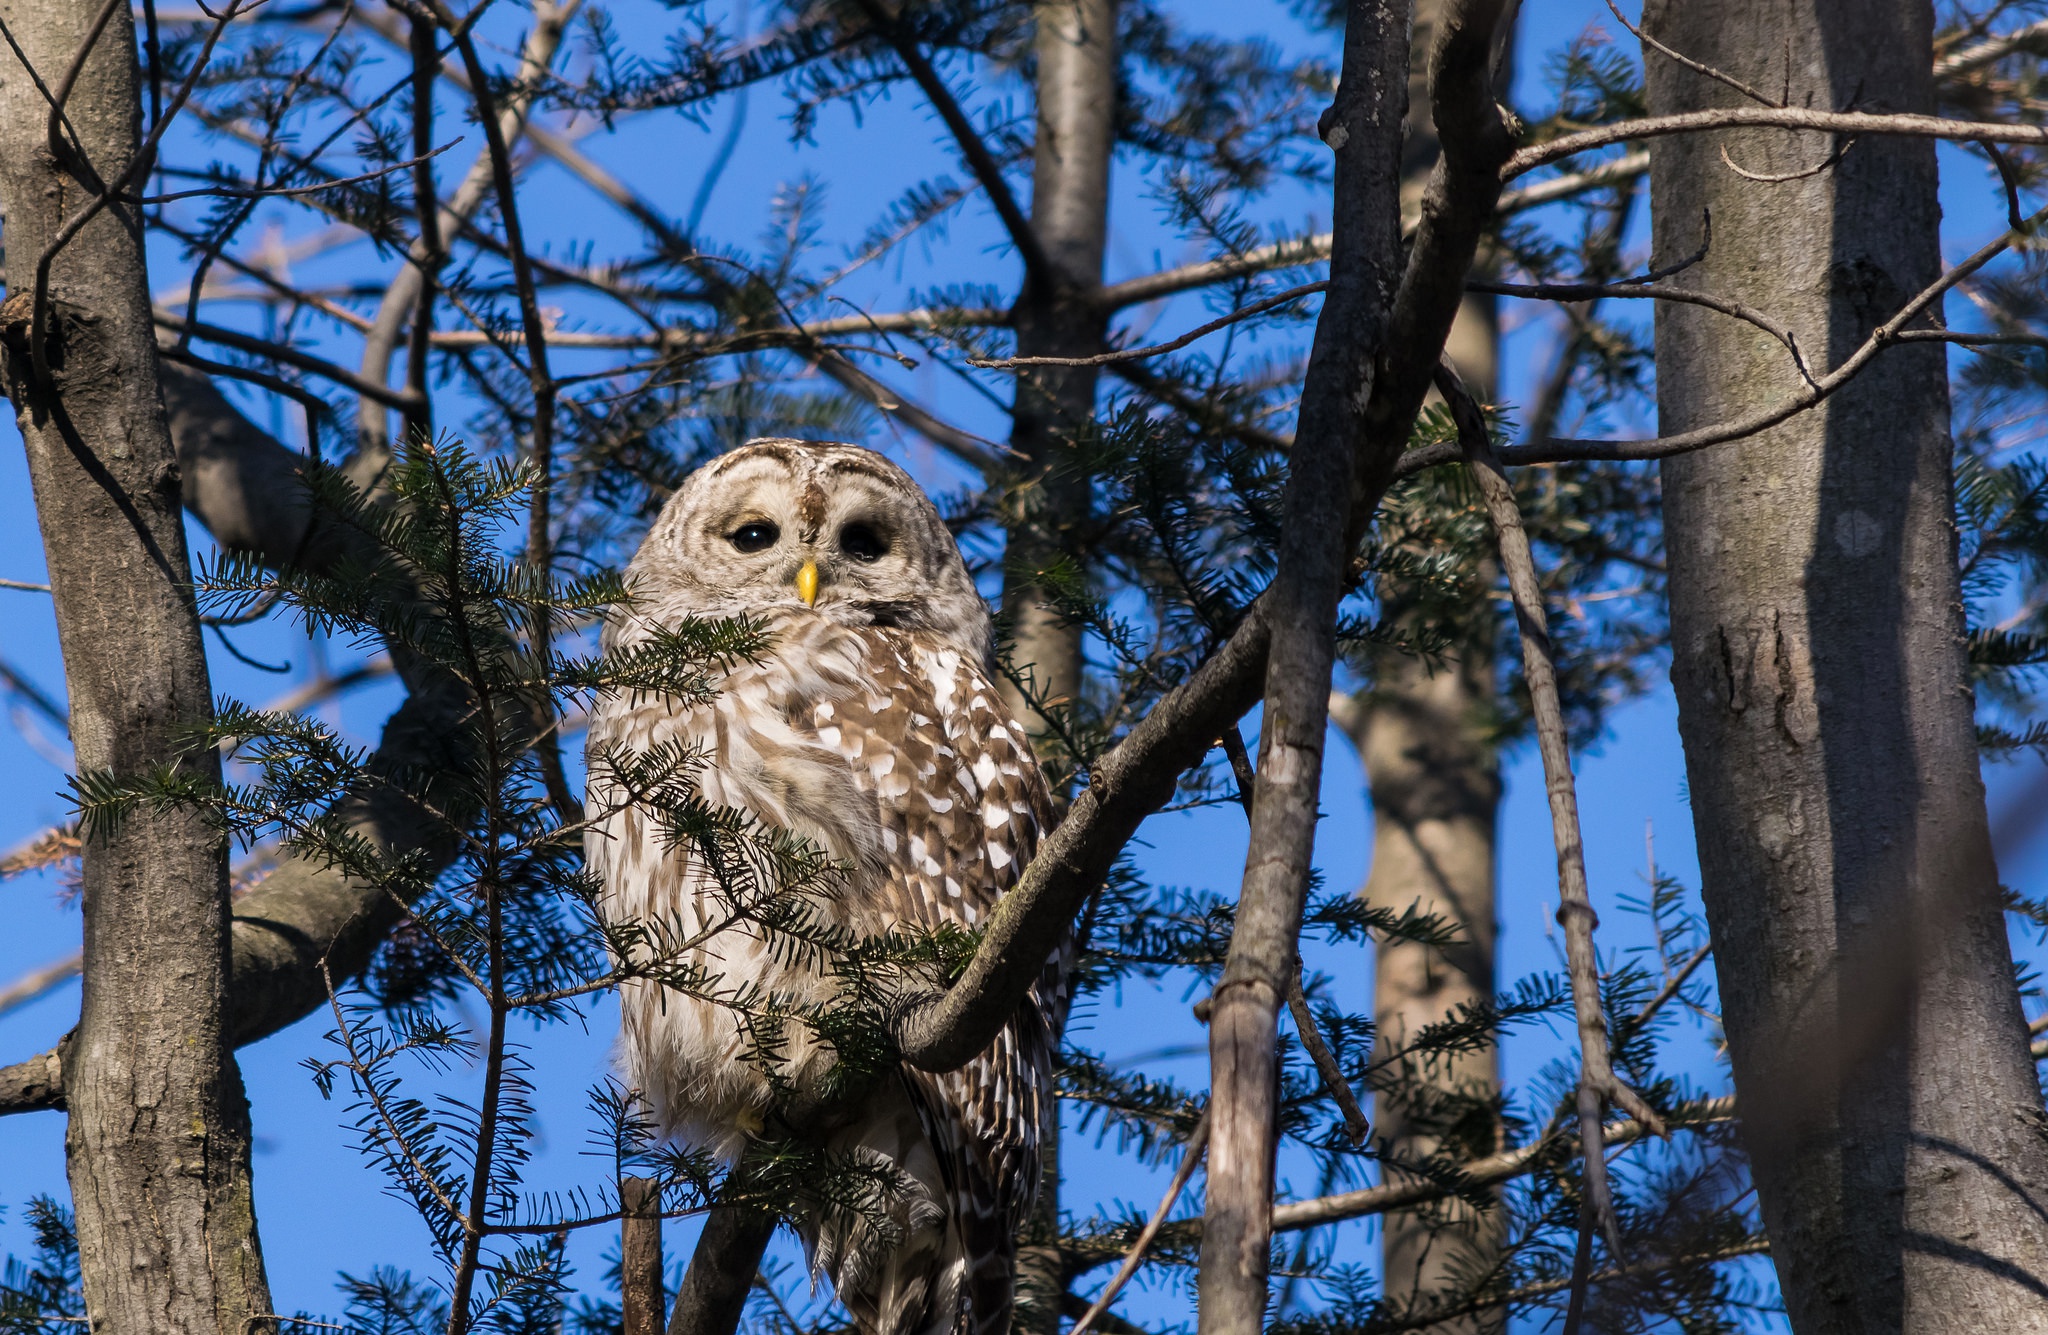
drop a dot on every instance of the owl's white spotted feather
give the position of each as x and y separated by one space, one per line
872 727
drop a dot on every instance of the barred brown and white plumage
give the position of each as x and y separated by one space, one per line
873 728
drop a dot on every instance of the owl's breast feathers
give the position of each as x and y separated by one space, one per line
895 753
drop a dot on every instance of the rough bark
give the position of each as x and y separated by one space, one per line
721 1272
1364 129
158 1138
642 1304
1889 1104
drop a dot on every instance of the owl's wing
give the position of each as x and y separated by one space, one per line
961 806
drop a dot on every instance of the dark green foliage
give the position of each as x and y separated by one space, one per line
43 1295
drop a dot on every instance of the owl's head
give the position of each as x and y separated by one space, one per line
795 527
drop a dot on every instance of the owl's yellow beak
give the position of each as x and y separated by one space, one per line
807 583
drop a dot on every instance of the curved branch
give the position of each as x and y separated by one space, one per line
1891 332
1776 118
1038 264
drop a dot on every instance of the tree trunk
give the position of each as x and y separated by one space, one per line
1076 49
1363 128
1077 73
1889 1104
1425 742
158 1138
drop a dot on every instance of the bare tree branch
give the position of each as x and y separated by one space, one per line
1353 331
1781 118
38 981
1888 334
1038 264
1597 1081
1991 50
1190 1159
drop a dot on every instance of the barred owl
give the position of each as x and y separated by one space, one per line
872 728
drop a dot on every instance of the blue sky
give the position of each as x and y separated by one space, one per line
323 1210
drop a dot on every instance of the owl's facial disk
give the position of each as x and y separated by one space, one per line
788 539
835 529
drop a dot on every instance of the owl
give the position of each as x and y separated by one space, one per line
871 728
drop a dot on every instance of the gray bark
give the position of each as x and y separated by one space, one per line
642 1303
1364 129
1075 44
1057 317
1889 1103
1425 740
158 1137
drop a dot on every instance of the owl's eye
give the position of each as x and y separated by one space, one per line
755 536
862 543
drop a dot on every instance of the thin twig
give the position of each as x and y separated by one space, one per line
1892 331
290 356
24 586
1644 290
1695 66
1356 1124
539 541
1038 265
1597 1081
1259 307
430 251
282 191
1834 156
1775 118
1198 1141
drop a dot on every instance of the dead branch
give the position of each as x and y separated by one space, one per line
1358 321
1597 1081
38 981
1356 1124
1479 1174
1991 50
55 845
1892 331
1645 289
1190 1158
1697 67
1776 118
1038 264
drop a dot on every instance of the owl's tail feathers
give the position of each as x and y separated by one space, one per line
987 1249
954 1280
884 1236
